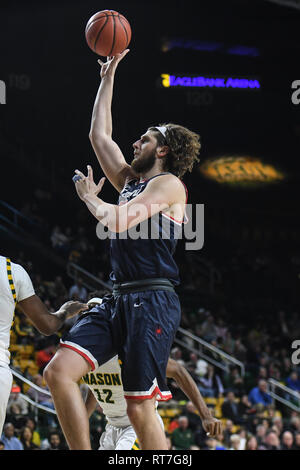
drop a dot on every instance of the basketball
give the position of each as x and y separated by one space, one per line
108 33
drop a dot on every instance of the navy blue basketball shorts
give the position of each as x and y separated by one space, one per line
140 327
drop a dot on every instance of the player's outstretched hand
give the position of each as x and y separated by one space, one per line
85 185
108 68
72 308
212 426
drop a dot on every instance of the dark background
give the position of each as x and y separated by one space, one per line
52 78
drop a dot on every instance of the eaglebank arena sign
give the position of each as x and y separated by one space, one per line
209 82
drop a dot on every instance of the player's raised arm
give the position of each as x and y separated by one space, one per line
108 152
186 383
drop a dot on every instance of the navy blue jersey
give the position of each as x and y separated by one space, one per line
145 251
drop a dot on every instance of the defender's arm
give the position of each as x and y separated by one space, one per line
90 403
47 322
186 383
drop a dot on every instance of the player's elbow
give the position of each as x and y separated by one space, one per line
109 219
173 369
98 137
117 221
179 373
93 137
116 226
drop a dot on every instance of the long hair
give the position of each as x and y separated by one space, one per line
184 147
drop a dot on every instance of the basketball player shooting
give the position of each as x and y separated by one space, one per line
139 322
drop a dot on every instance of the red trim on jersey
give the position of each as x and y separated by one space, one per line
79 352
186 192
186 200
185 219
156 391
172 218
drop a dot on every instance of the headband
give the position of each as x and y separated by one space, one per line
162 130
95 300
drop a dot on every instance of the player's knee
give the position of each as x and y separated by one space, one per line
53 372
136 411
66 367
48 373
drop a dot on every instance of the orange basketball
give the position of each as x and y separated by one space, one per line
108 33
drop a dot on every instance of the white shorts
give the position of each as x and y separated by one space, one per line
117 438
6 379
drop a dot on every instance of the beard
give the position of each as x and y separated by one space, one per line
144 163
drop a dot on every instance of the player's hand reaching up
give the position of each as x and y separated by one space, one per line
85 185
108 68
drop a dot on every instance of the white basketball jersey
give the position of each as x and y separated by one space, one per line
106 385
23 288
